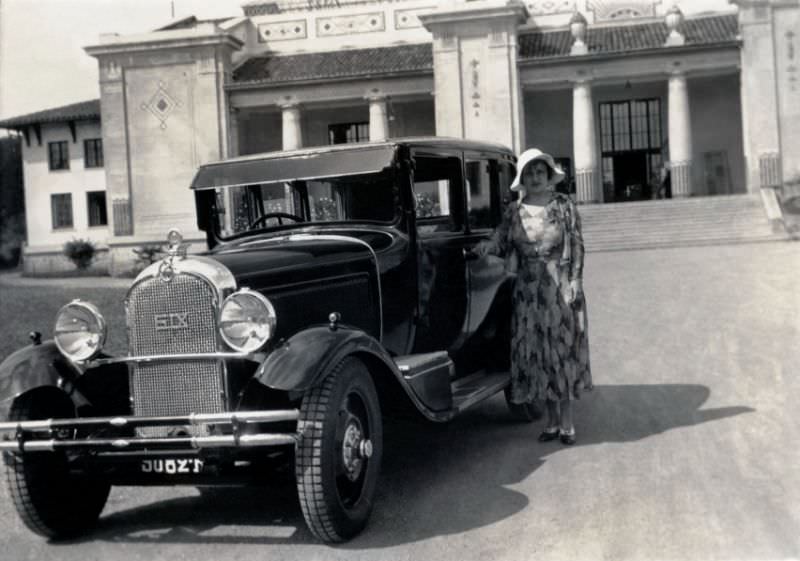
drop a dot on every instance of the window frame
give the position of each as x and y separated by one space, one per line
55 214
456 217
103 213
356 131
60 156
96 152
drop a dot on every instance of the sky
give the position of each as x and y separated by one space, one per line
42 62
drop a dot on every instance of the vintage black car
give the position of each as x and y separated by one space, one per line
339 288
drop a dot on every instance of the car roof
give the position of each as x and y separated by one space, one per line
361 157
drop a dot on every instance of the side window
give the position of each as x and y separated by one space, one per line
479 192
507 174
437 193
61 210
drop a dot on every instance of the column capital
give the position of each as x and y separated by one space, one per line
375 94
288 102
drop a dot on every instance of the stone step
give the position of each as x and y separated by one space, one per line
676 222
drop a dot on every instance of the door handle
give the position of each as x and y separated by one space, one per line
469 254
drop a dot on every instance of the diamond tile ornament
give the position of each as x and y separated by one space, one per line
161 105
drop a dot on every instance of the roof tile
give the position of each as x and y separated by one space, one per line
336 64
72 112
707 30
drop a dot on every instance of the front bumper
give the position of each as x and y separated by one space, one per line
242 430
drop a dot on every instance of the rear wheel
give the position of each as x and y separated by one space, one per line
338 452
49 499
523 412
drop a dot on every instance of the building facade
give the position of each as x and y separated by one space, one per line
623 93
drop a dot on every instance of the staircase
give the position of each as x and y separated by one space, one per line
676 222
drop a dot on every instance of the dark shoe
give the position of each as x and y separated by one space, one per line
567 438
548 434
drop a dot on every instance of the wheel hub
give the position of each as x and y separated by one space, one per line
355 449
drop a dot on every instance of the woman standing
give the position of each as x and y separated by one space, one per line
549 342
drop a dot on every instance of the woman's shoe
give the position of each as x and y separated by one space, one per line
548 434
567 437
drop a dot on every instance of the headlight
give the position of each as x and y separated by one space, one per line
247 320
80 330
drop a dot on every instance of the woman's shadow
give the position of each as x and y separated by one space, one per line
435 480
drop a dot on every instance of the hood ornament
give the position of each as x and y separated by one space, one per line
176 249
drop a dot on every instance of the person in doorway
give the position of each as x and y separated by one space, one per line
665 191
549 339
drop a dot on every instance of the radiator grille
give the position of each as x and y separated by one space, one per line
172 318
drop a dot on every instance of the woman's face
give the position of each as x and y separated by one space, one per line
535 176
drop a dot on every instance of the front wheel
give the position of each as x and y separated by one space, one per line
50 500
338 453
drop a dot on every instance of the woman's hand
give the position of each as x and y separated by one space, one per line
575 290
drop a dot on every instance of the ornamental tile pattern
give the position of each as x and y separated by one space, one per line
347 25
282 30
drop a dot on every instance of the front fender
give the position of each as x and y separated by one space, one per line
300 362
32 367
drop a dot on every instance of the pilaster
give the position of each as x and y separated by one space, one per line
477 89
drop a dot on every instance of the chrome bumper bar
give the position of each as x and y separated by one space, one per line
27 434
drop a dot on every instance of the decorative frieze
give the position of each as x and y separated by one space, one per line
283 30
408 19
347 25
609 10
548 7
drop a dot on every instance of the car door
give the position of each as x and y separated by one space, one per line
442 297
487 323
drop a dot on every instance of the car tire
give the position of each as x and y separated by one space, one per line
50 500
522 412
338 452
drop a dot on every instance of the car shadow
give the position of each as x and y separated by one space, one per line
436 479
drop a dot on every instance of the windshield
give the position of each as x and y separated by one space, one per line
367 197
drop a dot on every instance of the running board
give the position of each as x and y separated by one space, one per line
476 387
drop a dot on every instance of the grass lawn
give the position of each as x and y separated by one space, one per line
26 309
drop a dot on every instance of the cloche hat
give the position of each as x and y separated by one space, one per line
531 155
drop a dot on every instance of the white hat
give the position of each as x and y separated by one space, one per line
531 155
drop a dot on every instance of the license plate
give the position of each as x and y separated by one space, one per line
172 466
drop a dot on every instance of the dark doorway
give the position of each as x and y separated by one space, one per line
630 177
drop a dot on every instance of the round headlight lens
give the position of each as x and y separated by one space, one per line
80 330
247 321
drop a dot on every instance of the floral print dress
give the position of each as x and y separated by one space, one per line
549 339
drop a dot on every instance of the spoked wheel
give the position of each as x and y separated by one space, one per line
338 453
49 499
523 412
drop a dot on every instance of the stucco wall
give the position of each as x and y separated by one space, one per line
716 117
41 183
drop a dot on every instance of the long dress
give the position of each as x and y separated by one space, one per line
549 337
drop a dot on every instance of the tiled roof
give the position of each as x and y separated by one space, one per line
336 64
708 30
73 112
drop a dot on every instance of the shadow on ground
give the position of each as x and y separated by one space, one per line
436 479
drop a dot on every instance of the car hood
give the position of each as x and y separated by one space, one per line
299 256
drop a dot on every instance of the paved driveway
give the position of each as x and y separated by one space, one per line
688 448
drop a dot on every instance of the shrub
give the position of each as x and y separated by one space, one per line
81 252
12 236
148 254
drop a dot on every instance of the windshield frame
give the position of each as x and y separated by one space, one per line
300 192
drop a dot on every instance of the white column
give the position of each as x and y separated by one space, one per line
378 118
292 131
680 136
585 143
